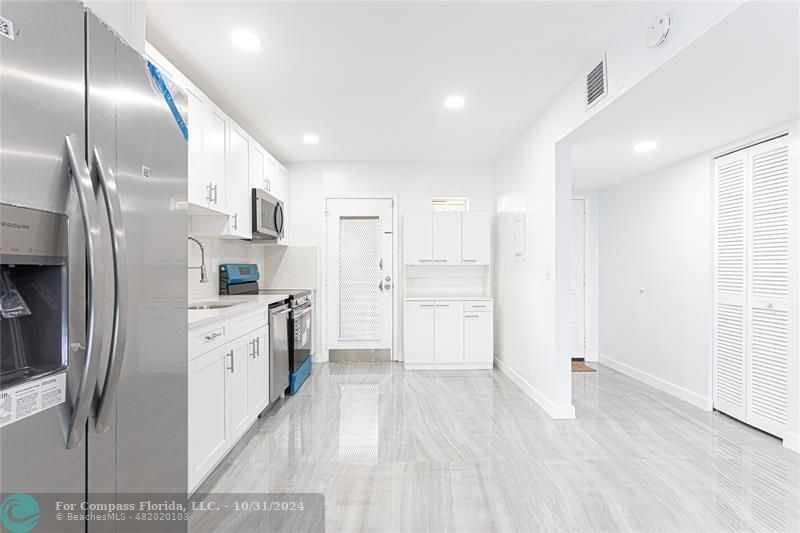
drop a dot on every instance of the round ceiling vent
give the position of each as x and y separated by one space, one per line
658 31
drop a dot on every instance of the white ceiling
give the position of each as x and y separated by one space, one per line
735 81
369 78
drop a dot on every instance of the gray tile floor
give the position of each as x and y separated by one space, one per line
396 450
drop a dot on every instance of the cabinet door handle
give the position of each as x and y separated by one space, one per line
231 356
214 188
209 196
213 336
258 346
236 221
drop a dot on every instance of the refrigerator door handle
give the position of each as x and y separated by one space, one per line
94 294
119 245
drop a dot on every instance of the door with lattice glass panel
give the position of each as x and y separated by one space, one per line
751 364
360 278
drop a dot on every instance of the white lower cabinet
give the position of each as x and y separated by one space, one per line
448 334
228 389
258 374
419 338
238 415
207 434
478 337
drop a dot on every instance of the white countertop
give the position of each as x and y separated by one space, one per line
449 299
247 302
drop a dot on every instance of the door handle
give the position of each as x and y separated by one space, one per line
380 285
258 346
119 329
230 354
236 221
214 192
94 294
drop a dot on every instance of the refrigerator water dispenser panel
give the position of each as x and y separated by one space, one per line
33 295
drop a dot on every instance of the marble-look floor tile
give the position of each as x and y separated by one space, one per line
396 450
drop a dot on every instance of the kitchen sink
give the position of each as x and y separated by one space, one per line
212 305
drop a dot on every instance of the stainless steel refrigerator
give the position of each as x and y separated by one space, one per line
93 170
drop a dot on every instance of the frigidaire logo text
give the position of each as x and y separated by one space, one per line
14 225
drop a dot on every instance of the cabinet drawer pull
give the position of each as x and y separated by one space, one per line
426 260
469 260
471 316
440 260
213 336
427 306
442 305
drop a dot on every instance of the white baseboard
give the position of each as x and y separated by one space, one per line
447 366
791 441
693 398
555 411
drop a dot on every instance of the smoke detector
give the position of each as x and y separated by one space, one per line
658 31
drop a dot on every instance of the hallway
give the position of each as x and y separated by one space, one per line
468 451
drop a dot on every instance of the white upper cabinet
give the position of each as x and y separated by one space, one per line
475 238
237 186
225 164
418 238
446 238
198 193
215 148
258 176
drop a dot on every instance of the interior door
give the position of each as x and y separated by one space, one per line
577 320
360 279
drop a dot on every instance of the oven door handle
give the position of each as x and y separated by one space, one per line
301 311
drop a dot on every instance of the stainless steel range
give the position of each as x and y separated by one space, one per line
243 279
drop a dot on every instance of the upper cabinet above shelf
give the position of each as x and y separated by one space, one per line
447 238
225 164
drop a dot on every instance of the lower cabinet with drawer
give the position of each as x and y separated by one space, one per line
453 334
228 388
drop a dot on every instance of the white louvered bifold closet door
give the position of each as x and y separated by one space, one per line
768 302
730 312
752 285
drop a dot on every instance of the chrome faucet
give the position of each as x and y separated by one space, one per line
202 267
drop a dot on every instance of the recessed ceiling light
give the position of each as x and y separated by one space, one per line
644 146
454 101
311 139
246 40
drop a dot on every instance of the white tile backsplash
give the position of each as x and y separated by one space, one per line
218 251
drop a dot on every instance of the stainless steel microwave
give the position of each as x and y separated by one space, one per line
268 216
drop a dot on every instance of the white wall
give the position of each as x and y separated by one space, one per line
532 338
655 234
414 184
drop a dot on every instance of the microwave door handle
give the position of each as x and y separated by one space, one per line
120 322
94 294
279 223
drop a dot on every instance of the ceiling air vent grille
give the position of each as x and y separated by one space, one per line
596 83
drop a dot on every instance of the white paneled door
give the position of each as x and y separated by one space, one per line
577 313
752 285
359 271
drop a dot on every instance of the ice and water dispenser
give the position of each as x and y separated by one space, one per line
33 295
